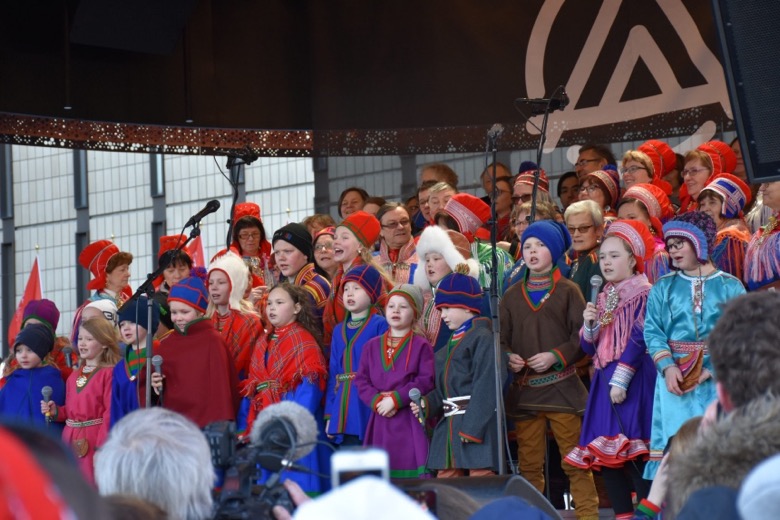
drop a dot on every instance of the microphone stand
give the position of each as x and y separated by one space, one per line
147 288
236 163
493 135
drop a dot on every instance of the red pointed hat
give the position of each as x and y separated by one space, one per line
724 160
637 236
169 242
246 209
95 258
364 226
654 199
664 161
469 212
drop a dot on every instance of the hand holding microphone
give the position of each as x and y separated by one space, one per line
417 405
595 287
157 377
47 405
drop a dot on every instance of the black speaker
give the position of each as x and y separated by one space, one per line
750 45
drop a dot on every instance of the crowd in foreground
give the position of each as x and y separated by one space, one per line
347 318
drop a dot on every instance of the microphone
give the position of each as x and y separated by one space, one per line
495 131
68 352
414 395
595 287
157 362
211 207
285 431
46 393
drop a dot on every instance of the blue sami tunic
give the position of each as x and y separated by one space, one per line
20 398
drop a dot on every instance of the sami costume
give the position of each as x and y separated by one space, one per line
393 366
681 312
656 203
288 365
465 394
762 259
400 264
343 407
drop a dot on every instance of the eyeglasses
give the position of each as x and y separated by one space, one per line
589 188
249 236
693 171
675 245
521 222
579 229
423 202
584 162
325 246
521 198
632 170
392 225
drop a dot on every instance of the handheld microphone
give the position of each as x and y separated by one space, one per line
495 131
157 362
286 431
46 393
414 395
595 287
211 207
68 352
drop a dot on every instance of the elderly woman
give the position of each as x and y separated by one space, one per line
603 188
762 260
397 251
586 227
351 200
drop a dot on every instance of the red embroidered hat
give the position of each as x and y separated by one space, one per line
469 212
609 181
664 161
169 242
364 226
724 160
95 258
527 177
734 192
637 236
246 209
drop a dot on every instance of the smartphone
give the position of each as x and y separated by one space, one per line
348 464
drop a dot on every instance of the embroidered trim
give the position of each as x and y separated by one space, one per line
552 378
622 376
83 424
686 347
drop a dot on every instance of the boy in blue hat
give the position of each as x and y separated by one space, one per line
541 317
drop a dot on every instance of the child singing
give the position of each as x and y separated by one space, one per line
22 381
345 414
87 408
392 364
288 365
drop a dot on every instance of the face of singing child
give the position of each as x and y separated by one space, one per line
536 256
281 310
454 317
26 357
219 288
436 268
182 314
682 253
399 313
132 334
615 261
356 300
345 246
89 347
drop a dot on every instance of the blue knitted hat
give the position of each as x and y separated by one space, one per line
191 290
37 337
697 228
138 305
459 290
553 234
368 278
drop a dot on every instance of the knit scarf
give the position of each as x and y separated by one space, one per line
629 313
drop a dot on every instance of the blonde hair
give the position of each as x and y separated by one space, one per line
544 210
642 158
703 157
441 186
105 334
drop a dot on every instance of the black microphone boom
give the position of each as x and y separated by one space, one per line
539 106
211 207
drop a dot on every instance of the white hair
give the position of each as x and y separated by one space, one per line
159 456
586 207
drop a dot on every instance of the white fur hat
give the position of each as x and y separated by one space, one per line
238 274
438 240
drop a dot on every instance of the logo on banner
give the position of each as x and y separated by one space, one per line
640 45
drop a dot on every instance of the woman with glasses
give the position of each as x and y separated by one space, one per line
762 260
249 240
637 168
397 251
586 227
701 165
323 253
650 205
524 187
603 188
682 309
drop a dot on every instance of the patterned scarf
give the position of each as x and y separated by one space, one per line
626 314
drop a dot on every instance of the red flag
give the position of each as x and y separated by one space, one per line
195 250
32 291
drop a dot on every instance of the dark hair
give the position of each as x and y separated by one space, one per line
563 178
391 206
319 219
744 346
379 201
306 315
426 185
507 181
443 173
360 191
640 205
602 150
174 257
246 223
449 222
121 258
709 194
499 165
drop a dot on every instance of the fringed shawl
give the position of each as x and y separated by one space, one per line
762 259
629 313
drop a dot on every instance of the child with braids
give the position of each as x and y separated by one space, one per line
288 365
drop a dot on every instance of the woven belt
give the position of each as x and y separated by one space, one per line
347 376
83 424
265 385
456 405
686 347
549 379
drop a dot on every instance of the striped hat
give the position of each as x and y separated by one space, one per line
469 212
412 294
364 226
638 238
527 177
367 277
191 291
609 180
734 192
697 228
459 290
